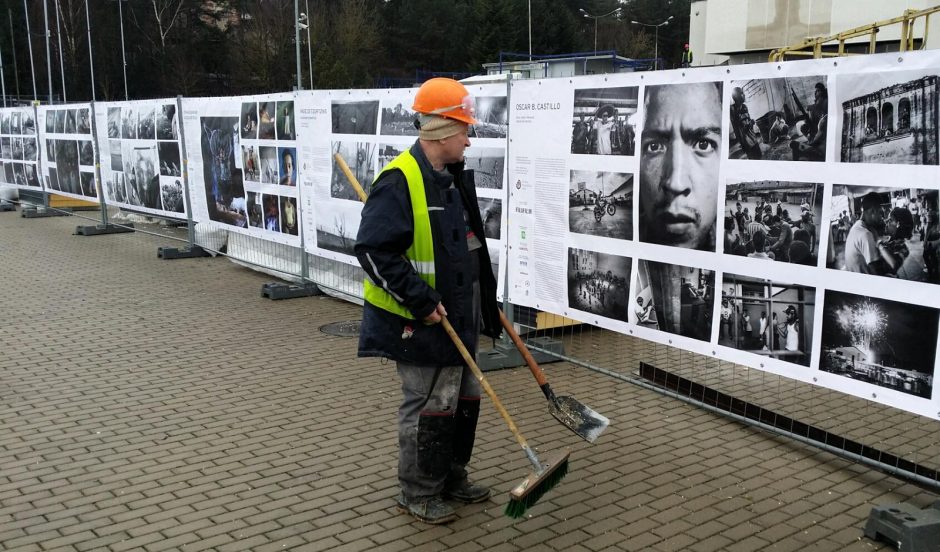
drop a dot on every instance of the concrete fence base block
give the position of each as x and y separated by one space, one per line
909 528
102 229
40 212
277 291
168 253
505 355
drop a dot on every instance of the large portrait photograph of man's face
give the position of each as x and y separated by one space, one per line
679 161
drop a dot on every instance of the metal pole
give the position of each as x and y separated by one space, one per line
91 61
300 85
595 35
530 30
29 41
58 33
3 81
656 47
45 21
16 71
190 226
309 50
97 151
123 54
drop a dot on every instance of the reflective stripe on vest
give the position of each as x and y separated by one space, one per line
421 252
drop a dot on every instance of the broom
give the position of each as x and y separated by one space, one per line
546 475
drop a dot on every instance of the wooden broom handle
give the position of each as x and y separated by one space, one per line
350 177
523 350
486 386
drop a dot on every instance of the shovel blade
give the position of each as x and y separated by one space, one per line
587 423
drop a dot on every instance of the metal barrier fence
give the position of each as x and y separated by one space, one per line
881 437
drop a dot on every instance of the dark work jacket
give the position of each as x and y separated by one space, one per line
386 232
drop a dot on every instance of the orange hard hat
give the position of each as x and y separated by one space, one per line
446 98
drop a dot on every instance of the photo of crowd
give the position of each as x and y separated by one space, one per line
774 220
601 204
885 232
674 299
767 318
398 121
779 119
598 283
603 121
881 342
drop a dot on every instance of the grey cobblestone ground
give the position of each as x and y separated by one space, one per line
164 405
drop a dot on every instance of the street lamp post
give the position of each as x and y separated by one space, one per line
656 36
595 18
123 54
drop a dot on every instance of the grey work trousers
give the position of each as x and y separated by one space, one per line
437 422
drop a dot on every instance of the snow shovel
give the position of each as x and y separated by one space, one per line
585 422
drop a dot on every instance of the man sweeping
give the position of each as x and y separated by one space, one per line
422 246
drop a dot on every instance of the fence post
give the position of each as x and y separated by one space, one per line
191 250
105 227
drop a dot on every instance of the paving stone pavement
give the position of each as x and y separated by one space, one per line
164 405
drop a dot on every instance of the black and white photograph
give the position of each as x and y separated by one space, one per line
171 191
599 283
50 150
59 120
360 156
225 192
889 117
6 147
601 204
336 229
388 152
491 210
773 219
251 164
674 299
767 318
488 166
779 119
492 115
18 148
8 172
30 149
52 181
269 164
287 166
289 220
285 121
603 121
114 188
892 232
166 123
15 126
19 174
84 121
885 343
71 121
142 175
66 161
255 210
249 121
86 153
32 177
267 112
272 212
88 183
5 123
29 123
169 154
50 123
355 117
679 186
398 120
146 123
114 122
128 123
114 149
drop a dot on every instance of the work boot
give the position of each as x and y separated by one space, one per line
429 509
466 491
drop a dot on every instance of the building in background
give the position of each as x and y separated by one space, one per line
734 32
